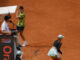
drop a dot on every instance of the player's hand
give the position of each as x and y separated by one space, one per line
9 32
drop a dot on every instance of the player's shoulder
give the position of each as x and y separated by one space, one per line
4 23
55 41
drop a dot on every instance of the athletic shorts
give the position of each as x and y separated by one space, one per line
20 29
53 52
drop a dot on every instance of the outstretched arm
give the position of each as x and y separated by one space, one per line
59 46
4 32
17 14
60 51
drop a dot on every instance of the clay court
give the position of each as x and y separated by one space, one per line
45 19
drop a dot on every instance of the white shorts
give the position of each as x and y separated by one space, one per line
53 52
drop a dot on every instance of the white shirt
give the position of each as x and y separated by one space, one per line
5 27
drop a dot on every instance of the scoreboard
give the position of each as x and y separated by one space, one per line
6 47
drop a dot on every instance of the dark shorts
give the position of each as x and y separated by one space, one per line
20 29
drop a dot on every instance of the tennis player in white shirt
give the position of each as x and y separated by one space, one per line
4 27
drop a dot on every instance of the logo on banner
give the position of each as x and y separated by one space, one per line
3 40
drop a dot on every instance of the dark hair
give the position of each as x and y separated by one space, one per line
21 7
6 18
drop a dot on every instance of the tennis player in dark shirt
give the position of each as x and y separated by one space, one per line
53 52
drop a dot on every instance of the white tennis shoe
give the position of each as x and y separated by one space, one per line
25 44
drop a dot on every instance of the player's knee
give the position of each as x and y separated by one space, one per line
54 57
59 59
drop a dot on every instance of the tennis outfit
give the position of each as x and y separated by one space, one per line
53 52
55 49
21 22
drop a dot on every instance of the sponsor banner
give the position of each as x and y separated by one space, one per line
6 47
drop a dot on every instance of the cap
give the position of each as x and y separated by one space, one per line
60 36
21 7
9 15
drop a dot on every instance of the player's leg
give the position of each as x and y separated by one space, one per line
58 57
20 30
19 53
17 41
21 34
54 57
25 42
23 38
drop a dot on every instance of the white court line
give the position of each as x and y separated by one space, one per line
8 9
